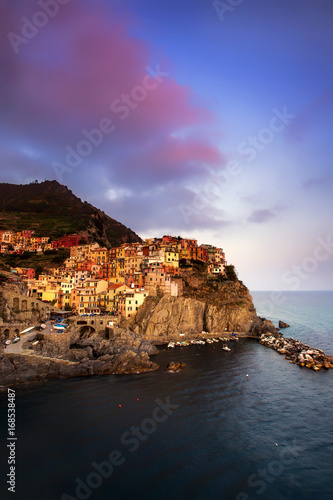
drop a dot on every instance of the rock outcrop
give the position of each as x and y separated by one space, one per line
223 307
174 367
299 353
72 355
282 324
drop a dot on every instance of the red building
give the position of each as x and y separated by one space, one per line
68 241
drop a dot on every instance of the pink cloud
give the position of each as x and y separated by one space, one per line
172 158
78 66
183 151
67 78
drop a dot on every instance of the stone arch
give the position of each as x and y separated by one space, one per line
6 333
32 305
16 304
16 331
86 329
24 305
92 321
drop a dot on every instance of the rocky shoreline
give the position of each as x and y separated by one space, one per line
126 348
75 355
298 353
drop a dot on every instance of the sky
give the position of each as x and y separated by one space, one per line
206 119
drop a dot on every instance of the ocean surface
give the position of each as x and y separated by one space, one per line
240 425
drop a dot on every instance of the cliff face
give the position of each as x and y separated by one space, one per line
225 307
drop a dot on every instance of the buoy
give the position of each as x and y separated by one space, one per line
247 374
276 444
137 399
119 406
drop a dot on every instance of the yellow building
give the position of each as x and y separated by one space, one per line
99 256
109 298
86 298
171 258
130 301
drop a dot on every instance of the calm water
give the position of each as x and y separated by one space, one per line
242 425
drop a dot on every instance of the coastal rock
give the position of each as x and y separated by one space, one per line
299 353
262 326
174 367
70 355
283 325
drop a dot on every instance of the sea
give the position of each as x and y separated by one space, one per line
240 425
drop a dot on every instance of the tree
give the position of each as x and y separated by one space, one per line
231 273
38 270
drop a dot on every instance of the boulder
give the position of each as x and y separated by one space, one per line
174 367
283 325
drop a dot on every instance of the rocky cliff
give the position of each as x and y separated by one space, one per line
216 307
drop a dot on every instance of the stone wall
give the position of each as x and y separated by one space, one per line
17 311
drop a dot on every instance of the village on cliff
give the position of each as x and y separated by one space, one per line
97 280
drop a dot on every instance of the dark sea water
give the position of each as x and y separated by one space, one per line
242 425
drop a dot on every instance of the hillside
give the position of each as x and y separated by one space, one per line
51 209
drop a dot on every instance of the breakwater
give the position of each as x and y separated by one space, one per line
298 353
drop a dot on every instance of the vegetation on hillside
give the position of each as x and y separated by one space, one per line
50 209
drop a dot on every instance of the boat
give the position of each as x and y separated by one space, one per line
60 328
215 340
209 341
226 348
171 344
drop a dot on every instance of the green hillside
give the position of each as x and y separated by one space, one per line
51 209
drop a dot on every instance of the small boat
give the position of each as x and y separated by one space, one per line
226 348
215 340
209 341
171 344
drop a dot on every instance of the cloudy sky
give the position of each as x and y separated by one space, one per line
208 119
